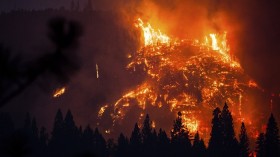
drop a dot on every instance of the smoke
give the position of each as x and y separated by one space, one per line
252 27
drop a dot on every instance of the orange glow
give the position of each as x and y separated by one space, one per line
189 84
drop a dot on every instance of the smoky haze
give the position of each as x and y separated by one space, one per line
252 26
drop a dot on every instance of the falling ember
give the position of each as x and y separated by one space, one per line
177 81
153 124
102 110
107 131
97 71
58 92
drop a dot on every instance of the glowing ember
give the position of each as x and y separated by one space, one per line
58 92
182 82
97 71
102 110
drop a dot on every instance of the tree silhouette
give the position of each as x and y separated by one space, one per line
61 63
122 148
99 144
56 144
199 148
272 138
136 141
243 142
180 140
260 148
147 131
88 139
216 135
43 137
230 142
163 144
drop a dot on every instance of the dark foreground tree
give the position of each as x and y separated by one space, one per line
260 148
272 138
59 64
163 146
180 138
230 143
199 148
135 142
122 147
216 135
243 142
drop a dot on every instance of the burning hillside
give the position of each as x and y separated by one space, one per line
192 76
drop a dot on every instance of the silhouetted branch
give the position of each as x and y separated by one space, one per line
62 63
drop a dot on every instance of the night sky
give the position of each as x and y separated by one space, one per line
252 25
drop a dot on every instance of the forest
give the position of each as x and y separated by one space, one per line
68 139
54 64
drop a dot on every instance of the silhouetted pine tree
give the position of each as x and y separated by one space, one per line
163 146
243 142
260 149
216 135
198 147
153 145
42 141
57 143
122 147
87 140
203 148
71 135
147 131
99 144
272 138
180 140
136 142
147 137
70 128
230 143
111 147
43 136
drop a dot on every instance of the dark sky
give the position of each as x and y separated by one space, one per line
252 26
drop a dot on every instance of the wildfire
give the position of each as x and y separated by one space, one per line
58 92
151 36
182 82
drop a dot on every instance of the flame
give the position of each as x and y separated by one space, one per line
183 83
102 110
151 36
58 92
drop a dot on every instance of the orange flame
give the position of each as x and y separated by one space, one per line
160 56
151 36
58 92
